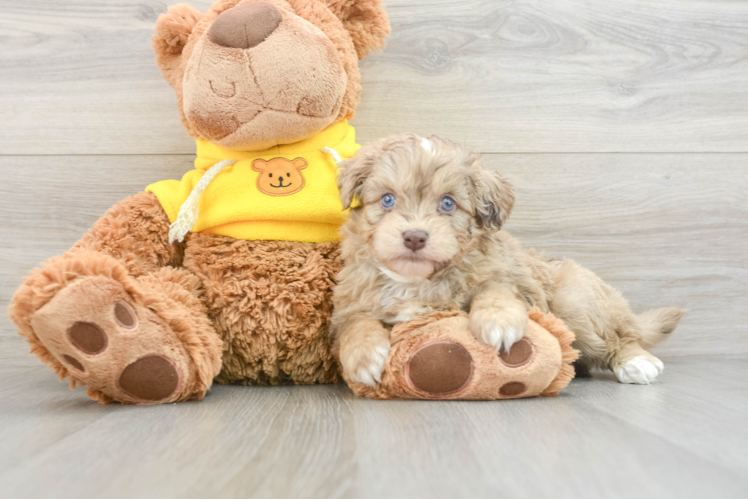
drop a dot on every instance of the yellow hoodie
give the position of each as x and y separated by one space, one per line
287 192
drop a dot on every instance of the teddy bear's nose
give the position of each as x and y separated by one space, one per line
246 25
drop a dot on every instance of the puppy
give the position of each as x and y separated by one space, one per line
424 234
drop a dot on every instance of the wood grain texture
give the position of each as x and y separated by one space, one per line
78 77
665 229
564 76
682 437
88 120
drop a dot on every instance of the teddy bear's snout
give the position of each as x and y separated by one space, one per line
246 25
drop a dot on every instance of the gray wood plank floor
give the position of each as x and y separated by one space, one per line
623 125
682 437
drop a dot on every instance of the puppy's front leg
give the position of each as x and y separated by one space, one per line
498 317
363 347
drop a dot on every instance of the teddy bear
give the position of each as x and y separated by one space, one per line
226 274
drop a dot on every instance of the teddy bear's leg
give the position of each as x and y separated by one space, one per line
436 356
108 316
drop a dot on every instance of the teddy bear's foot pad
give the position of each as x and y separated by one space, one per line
444 368
108 342
440 368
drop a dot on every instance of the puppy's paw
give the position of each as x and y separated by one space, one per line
363 363
498 327
641 370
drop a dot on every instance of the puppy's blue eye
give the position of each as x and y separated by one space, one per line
448 204
388 200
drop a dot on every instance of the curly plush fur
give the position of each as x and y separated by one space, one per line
271 303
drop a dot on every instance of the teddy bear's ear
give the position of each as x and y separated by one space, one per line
299 163
172 32
365 20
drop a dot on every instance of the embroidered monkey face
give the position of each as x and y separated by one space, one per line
279 176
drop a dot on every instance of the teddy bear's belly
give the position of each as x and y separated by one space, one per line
271 302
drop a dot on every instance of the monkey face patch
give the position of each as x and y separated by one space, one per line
279 176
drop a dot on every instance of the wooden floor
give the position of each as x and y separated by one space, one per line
623 125
683 437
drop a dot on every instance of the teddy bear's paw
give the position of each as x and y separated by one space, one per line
364 364
109 343
499 328
640 370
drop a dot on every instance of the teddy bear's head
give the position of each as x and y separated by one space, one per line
250 74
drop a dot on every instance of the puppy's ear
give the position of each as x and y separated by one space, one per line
495 198
365 20
173 29
351 177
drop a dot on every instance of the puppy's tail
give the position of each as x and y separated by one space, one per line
656 325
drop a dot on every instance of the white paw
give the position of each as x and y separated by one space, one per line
498 327
640 370
365 364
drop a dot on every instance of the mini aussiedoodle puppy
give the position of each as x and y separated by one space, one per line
424 234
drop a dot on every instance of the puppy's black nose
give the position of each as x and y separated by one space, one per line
415 240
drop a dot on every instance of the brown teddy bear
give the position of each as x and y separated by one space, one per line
225 274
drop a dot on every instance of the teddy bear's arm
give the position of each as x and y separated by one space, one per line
135 231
